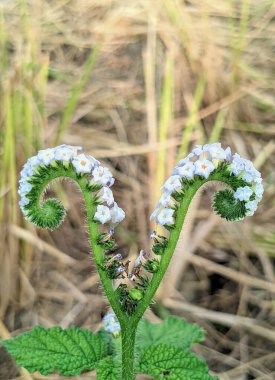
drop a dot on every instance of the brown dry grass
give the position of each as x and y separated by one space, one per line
169 74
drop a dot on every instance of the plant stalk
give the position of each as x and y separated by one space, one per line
128 336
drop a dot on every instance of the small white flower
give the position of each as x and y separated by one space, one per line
173 183
117 214
186 171
63 153
165 216
204 168
103 214
251 205
165 199
95 162
109 318
200 149
33 162
216 152
228 154
24 188
243 193
46 156
74 149
185 160
251 174
113 328
82 164
155 213
23 202
258 190
107 195
102 175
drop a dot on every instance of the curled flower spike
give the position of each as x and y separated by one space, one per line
210 162
65 161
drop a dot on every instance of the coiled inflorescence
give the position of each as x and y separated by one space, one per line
66 161
211 162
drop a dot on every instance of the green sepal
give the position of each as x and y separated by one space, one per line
169 227
69 352
152 265
93 187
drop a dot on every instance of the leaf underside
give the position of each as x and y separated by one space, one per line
69 352
171 363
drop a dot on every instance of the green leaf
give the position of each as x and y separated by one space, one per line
108 369
173 330
172 363
69 351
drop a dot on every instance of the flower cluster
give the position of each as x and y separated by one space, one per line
83 165
200 163
111 324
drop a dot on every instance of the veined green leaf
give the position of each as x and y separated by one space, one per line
171 363
173 330
108 369
69 352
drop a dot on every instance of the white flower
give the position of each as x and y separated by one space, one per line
63 153
173 183
199 149
186 170
251 205
204 168
155 213
258 190
82 164
117 214
228 154
185 160
251 174
107 195
23 202
165 199
103 214
95 162
216 152
33 162
240 164
24 188
109 318
165 216
113 328
102 175
74 149
243 193
46 156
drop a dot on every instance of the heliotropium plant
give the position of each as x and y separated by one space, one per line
128 345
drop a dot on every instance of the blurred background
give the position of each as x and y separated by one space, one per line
137 84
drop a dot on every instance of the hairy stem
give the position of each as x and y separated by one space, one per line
128 335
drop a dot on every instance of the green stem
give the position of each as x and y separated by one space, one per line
98 253
128 335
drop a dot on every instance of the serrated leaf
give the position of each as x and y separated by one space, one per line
108 369
172 330
172 363
69 351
